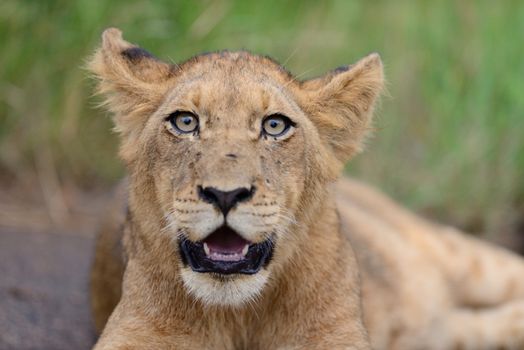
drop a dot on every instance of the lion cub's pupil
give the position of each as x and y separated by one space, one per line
184 122
275 125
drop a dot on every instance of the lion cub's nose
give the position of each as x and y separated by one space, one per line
225 200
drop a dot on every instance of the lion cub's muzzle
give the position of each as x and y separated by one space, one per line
225 252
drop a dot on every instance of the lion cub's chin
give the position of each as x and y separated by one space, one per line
227 290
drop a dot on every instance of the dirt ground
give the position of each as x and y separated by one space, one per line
43 291
44 264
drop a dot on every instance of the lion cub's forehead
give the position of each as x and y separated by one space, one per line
235 62
224 82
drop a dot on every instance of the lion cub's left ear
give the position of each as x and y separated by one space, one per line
341 104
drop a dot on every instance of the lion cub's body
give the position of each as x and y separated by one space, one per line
427 286
331 266
276 320
424 285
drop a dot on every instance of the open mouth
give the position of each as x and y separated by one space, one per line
225 252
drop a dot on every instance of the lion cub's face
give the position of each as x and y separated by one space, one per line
231 165
237 152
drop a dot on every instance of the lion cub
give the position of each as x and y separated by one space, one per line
237 236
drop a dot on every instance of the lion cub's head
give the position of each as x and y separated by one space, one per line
229 156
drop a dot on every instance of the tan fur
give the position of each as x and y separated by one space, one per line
417 289
427 286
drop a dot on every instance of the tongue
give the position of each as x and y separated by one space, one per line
225 241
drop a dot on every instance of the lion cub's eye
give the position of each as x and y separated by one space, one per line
183 122
276 125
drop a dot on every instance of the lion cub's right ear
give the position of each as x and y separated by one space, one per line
132 81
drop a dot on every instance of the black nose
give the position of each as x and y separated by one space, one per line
225 200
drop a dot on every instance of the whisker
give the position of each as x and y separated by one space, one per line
290 56
297 77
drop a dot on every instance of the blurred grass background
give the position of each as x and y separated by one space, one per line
449 140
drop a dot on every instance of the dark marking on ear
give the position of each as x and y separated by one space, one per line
134 54
341 69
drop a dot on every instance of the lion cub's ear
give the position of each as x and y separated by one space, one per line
132 81
341 103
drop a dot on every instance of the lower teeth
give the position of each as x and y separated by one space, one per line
227 256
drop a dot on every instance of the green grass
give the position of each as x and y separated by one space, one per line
449 140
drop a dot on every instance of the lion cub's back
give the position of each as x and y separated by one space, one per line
391 244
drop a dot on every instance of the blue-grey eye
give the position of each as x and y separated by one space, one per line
276 125
184 122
